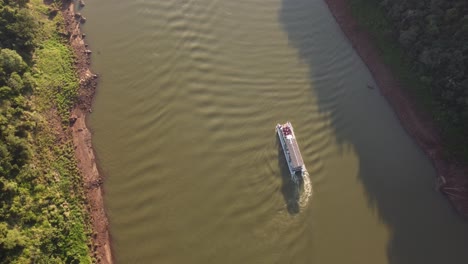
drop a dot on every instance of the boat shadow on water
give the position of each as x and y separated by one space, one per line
289 189
397 180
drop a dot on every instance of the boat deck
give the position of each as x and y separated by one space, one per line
290 147
294 153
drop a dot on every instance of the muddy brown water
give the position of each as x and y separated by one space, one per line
189 95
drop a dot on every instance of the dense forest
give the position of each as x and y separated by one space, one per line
41 199
427 39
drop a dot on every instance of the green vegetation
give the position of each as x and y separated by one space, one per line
425 42
42 217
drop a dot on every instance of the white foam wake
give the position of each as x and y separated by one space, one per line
307 190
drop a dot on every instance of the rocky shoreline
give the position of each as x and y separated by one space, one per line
452 176
81 135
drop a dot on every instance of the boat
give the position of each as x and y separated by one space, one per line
291 150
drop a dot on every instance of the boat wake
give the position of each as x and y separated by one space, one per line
306 191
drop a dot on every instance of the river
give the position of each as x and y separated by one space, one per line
189 96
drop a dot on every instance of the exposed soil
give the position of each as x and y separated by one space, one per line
452 176
452 179
84 152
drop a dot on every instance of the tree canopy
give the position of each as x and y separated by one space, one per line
41 204
427 39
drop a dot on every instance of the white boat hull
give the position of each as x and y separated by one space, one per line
293 171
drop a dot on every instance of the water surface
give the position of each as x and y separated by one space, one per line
189 95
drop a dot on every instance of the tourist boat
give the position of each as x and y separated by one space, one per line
291 150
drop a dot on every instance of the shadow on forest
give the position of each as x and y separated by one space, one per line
398 182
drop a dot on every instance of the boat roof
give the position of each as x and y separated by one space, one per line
296 157
293 147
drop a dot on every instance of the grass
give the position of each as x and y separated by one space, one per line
57 87
55 76
45 216
53 62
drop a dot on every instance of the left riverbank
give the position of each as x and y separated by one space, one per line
81 135
51 206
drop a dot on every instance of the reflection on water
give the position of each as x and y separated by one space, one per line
289 189
397 178
296 194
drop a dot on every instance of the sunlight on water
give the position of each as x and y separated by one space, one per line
189 94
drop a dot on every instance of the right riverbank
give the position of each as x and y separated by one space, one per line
452 180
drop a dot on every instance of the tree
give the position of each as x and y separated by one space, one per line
11 61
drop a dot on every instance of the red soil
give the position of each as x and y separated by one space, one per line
452 176
84 152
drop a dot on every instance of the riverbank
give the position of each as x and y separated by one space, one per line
92 180
452 180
